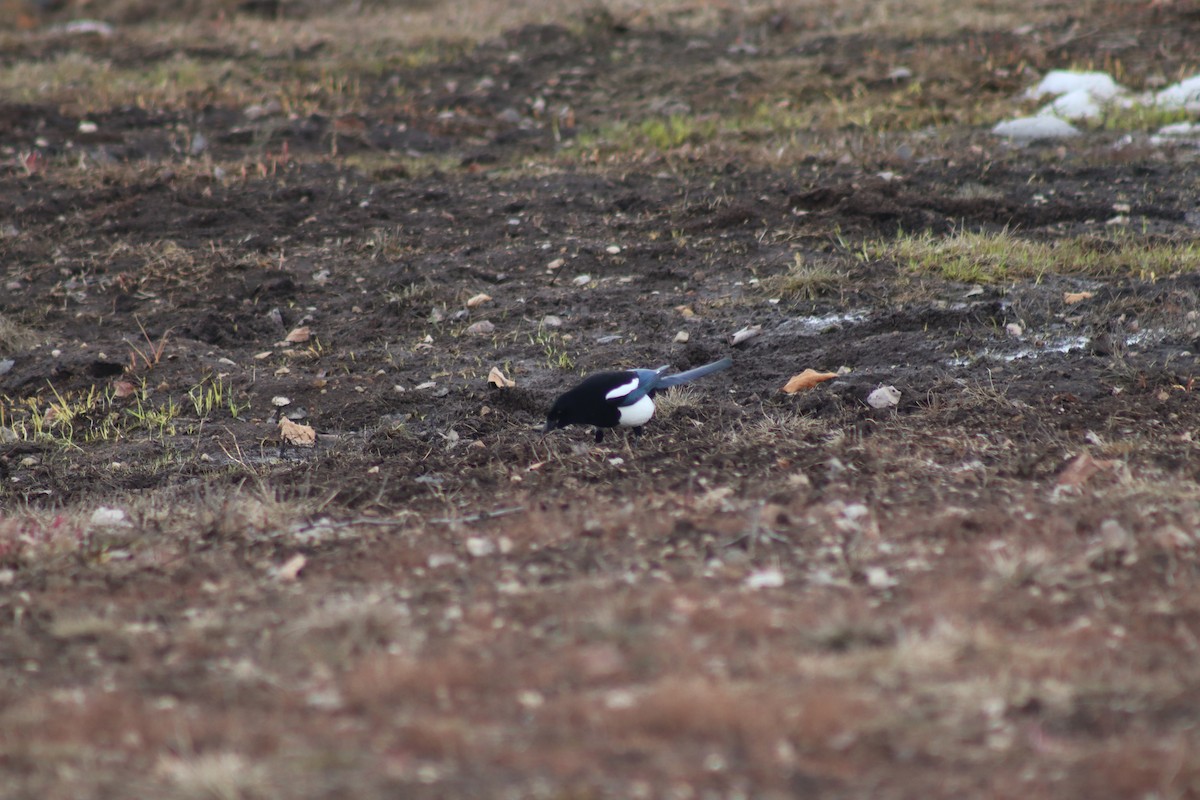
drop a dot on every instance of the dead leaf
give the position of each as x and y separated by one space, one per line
295 434
1071 298
745 334
290 569
1082 469
685 311
478 300
123 389
807 380
499 379
299 335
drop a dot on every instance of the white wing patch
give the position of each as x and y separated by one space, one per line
623 389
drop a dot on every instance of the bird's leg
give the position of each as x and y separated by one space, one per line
599 435
633 439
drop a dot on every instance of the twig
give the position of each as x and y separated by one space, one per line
480 516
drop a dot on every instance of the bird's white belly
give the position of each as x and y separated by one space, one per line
637 414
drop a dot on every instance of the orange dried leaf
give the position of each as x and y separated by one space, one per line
807 380
296 434
299 335
123 389
478 300
498 378
1071 298
1082 469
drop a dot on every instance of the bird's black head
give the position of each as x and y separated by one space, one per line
556 418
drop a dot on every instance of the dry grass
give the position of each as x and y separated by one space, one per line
999 257
15 337
808 279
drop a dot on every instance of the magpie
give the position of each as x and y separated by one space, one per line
625 398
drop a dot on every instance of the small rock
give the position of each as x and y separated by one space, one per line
878 578
551 321
884 397
259 111
478 547
89 27
87 127
482 328
769 578
436 560
682 337
1014 329
581 280
109 517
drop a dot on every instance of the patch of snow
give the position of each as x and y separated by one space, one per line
1058 82
1030 129
1180 129
1183 95
1079 104
1086 96
1179 133
822 322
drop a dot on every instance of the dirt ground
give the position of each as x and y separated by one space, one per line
225 213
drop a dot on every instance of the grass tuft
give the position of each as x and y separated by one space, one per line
15 337
807 280
972 257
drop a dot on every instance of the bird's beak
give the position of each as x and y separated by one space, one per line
549 427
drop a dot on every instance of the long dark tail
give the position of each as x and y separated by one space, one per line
667 381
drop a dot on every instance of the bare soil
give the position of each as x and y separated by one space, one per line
988 590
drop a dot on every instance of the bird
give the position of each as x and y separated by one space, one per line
622 397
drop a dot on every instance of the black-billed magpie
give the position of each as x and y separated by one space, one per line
625 397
